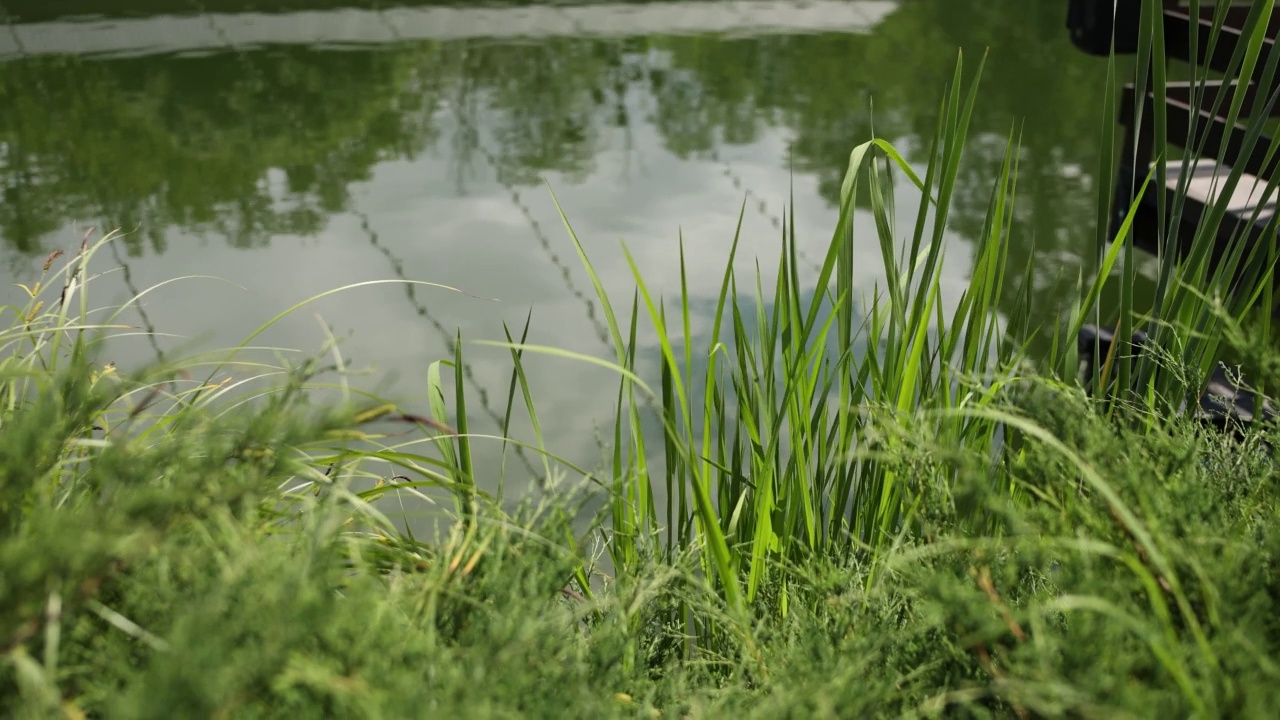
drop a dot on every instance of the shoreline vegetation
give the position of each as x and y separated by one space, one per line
936 525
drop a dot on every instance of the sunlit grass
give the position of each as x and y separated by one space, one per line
784 446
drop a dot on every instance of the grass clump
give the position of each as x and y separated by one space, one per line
869 503
216 605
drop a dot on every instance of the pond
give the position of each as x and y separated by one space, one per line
296 146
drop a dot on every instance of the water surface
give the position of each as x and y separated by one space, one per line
295 146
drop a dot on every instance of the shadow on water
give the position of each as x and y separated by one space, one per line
231 147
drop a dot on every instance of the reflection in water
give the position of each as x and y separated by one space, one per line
432 153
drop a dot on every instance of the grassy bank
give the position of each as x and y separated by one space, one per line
935 525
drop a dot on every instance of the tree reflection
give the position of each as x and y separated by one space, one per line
255 144
146 144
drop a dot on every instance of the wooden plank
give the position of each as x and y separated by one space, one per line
1197 127
1193 123
1177 36
1205 184
1250 205
1207 94
1195 119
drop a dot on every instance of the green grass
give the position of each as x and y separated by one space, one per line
853 502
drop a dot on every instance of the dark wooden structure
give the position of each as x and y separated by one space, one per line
1196 117
1224 404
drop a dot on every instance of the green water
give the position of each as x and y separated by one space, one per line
334 143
